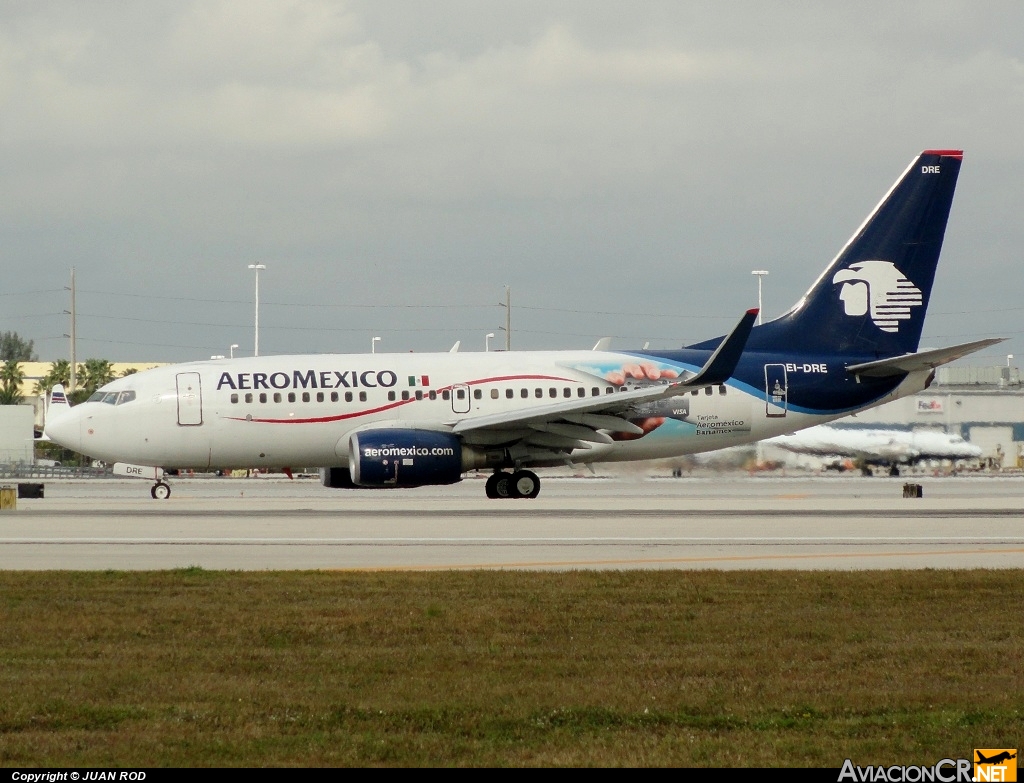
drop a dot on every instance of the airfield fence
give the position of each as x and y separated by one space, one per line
23 470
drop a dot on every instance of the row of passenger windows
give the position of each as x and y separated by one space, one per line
419 394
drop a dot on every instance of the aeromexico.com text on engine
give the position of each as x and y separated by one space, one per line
308 379
407 451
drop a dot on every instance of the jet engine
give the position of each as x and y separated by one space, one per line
404 458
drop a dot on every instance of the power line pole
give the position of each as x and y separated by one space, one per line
508 317
74 360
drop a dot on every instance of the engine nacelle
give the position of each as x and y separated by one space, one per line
406 458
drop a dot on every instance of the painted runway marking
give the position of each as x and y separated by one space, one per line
531 541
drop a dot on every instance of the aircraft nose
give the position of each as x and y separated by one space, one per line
66 430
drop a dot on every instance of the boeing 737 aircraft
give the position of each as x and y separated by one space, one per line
407 420
890 448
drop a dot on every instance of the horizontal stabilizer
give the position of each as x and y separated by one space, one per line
915 362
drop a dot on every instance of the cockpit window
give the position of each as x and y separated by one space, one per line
125 396
96 396
110 398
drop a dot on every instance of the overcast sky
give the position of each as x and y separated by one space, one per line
623 167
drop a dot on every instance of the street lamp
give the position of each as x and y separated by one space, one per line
231 349
373 344
256 345
760 274
487 342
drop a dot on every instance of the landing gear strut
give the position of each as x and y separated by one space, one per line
521 484
160 491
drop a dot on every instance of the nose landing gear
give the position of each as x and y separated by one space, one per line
160 491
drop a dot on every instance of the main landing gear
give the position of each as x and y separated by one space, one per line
521 484
160 491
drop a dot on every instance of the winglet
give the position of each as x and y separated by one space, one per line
719 368
58 402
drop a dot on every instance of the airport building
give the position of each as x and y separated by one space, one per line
984 405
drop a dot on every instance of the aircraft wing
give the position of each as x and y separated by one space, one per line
576 423
924 360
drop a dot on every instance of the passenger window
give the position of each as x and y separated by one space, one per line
277 396
291 397
405 395
432 395
234 399
391 396
609 389
707 390
419 394
362 396
461 394
248 397
509 394
446 395
538 393
319 396
524 393
494 394
305 396
595 392
477 394
552 392
334 396
263 396
721 388
695 392
348 396
581 392
567 392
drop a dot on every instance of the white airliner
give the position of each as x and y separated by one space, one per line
407 420
886 447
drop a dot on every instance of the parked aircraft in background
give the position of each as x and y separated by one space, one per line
867 447
407 420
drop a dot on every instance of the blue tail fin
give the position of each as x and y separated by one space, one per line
872 299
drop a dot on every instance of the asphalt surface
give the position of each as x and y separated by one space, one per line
727 521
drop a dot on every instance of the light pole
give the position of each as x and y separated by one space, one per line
373 344
256 341
231 349
760 274
487 341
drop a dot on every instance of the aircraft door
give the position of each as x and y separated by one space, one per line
776 390
190 399
460 398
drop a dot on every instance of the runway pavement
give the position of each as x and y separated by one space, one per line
730 521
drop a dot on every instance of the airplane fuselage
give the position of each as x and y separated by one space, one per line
301 410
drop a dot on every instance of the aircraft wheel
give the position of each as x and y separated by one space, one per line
502 485
491 487
525 484
894 471
160 491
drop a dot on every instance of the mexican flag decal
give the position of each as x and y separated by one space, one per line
419 380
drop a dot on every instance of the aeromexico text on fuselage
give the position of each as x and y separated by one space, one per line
309 379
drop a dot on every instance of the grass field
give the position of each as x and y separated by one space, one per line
191 668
